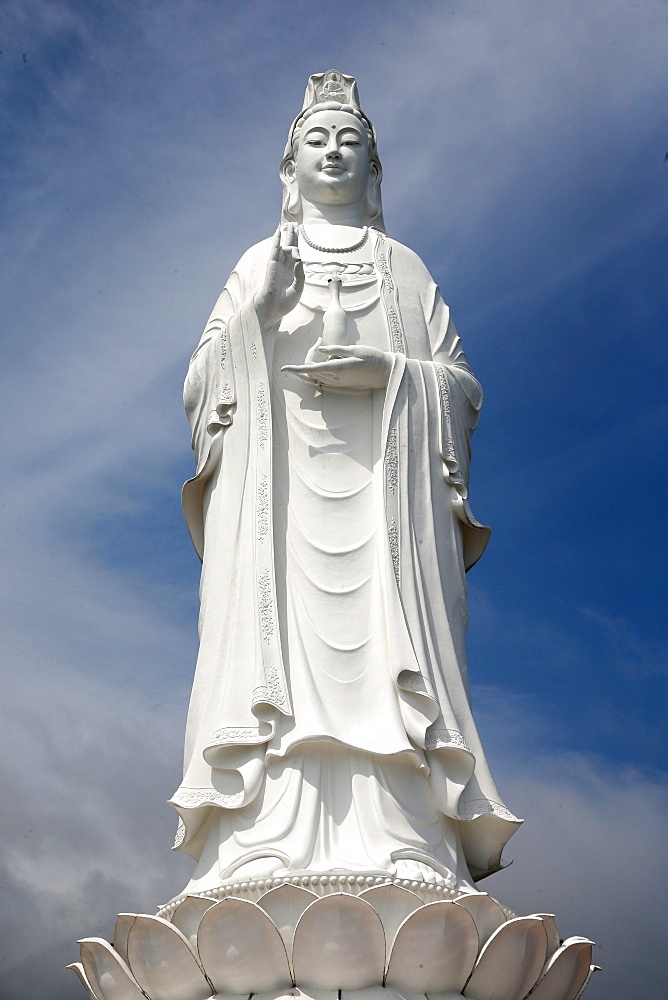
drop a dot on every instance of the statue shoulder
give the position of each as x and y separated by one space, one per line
408 262
254 261
414 279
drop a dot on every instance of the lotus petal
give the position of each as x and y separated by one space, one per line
434 950
511 961
444 996
380 993
393 904
339 944
163 962
241 949
284 905
78 969
553 939
188 915
486 912
107 974
567 972
124 922
412 995
592 970
296 994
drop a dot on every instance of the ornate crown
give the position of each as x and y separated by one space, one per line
331 86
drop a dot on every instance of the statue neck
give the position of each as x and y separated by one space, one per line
332 215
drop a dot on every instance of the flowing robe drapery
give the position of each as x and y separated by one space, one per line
249 705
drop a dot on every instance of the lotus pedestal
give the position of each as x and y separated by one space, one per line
328 937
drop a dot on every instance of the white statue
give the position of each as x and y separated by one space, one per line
332 407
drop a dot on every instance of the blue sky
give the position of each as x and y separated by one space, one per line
524 150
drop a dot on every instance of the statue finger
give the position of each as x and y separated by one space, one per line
298 282
340 350
313 351
301 373
341 364
275 246
291 238
319 369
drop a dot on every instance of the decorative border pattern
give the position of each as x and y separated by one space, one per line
389 294
272 692
444 392
238 734
486 807
392 461
393 535
438 738
265 605
262 415
263 507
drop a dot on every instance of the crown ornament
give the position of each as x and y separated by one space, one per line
331 86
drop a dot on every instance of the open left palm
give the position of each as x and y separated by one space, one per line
354 367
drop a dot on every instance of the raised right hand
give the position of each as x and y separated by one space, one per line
283 280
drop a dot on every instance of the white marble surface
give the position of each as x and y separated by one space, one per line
332 406
383 944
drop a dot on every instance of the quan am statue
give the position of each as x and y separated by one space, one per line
335 794
332 408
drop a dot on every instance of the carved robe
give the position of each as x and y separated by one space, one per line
330 722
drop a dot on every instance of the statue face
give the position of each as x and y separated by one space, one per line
333 165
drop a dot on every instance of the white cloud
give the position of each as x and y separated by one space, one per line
592 852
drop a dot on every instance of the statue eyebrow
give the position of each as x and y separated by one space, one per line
325 131
316 128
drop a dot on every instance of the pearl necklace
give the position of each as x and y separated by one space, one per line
321 249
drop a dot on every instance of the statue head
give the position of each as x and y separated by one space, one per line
331 115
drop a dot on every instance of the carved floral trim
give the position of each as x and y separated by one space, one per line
486 807
263 507
262 415
438 738
444 392
193 798
389 294
393 535
392 461
265 605
236 734
272 692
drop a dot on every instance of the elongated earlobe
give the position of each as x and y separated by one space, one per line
291 197
373 205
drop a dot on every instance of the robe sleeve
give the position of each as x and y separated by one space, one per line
210 392
460 399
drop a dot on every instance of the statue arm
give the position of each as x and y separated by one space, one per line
209 389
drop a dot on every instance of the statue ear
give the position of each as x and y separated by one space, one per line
291 198
373 203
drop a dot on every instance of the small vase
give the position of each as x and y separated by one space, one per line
335 318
